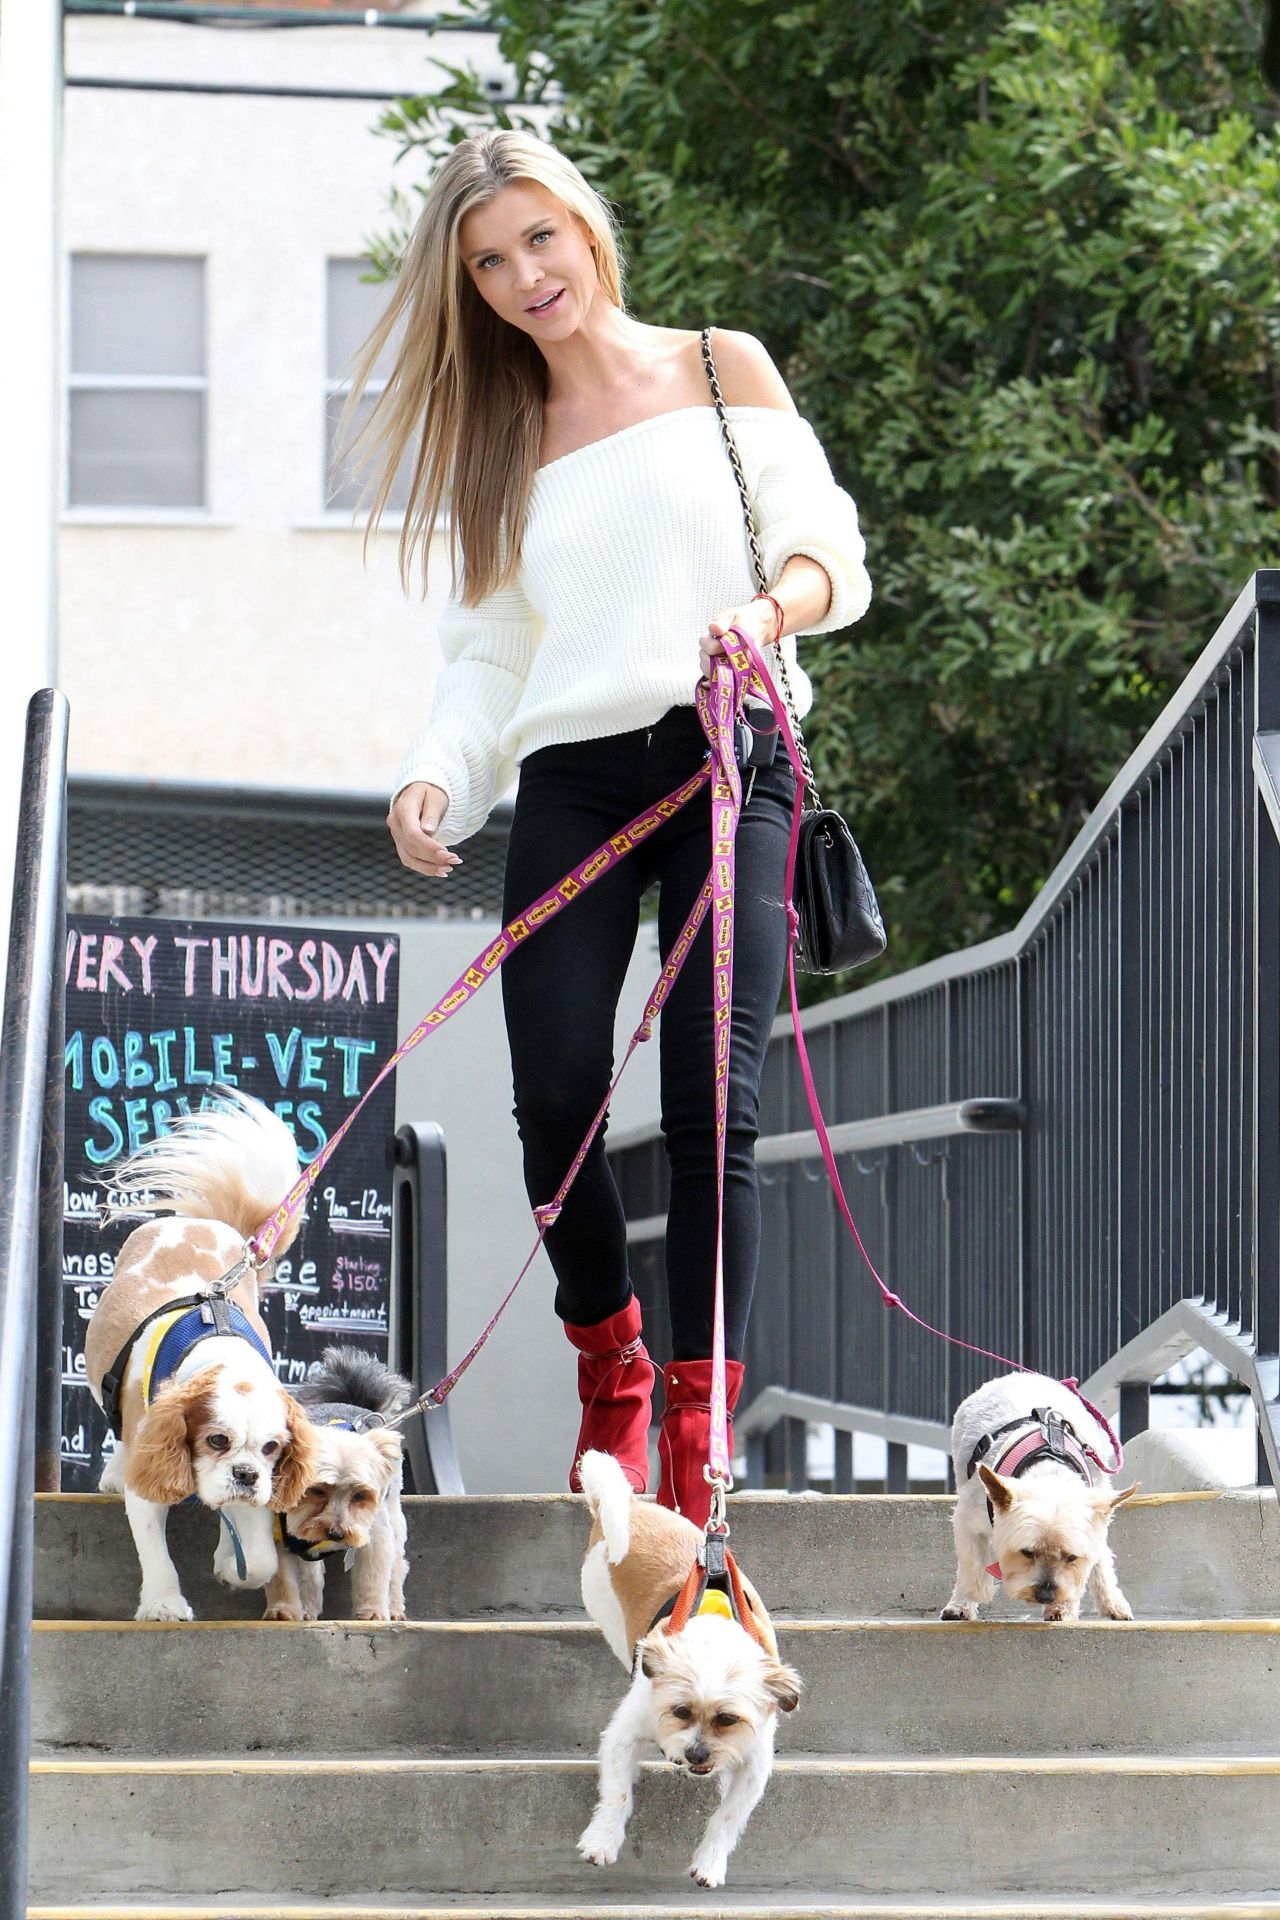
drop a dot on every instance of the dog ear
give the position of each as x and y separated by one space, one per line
296 1468
1108 1500
652 1652
159 1465
785 1685
1003 1493
388 1445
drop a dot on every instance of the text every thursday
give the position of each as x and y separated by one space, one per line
248 966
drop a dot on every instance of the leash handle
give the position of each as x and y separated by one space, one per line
719 700
888 1297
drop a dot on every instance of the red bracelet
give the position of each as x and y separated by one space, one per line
780 615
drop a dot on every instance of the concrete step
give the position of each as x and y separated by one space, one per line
709 1906
886 1688
1194 1556
964 1828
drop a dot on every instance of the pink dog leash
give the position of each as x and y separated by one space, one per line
888 1297
717 710
475 976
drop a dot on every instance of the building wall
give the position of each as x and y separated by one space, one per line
247 641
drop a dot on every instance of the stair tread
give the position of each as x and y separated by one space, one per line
722 1906
793 1622
80 1762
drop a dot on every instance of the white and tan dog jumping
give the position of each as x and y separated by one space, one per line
192 1392
706 1696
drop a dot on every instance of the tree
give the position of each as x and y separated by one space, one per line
1020 265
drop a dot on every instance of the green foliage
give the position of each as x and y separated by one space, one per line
1020 265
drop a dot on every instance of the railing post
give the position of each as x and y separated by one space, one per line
1130 1092
33 973
15 1679
419 1322
48 1397
1266 1025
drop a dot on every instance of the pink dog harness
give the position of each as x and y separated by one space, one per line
1040 1435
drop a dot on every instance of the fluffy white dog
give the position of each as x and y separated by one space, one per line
1032 1508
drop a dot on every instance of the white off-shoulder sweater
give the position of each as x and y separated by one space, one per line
632 543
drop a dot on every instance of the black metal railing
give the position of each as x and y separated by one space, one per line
30 1236
1127 1034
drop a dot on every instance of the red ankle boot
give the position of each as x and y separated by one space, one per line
615 1386
685 1432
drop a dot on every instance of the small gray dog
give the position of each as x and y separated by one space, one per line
352 1500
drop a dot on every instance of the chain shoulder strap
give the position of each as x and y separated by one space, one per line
757 561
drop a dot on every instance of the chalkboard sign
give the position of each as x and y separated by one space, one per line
158 1011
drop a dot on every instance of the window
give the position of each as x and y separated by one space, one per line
136 406
353 307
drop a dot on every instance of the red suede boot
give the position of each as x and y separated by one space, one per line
685 1433
615 1386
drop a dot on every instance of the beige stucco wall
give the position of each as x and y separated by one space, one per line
248 642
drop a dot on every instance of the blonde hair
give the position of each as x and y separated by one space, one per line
465 394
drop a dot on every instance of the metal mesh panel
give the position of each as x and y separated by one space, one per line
195 852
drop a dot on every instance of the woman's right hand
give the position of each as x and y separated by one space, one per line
415 814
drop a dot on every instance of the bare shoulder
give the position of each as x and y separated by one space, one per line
748 376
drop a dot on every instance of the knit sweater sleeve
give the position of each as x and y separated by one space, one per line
488 650
800 508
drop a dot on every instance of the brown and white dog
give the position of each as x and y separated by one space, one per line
707 1696
221 1426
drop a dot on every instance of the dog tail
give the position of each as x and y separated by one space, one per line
233 1162
356 1379
609 1496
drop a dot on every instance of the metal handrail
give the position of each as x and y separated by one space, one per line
1133 1016
1260 595
30 1130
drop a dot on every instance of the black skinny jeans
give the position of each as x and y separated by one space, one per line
560 995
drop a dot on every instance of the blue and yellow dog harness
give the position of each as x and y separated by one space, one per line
171 1333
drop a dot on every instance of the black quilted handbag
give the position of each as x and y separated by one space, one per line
840 923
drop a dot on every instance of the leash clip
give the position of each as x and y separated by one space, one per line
717 1523
247 1263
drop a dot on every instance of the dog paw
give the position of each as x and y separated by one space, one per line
600 1846
709 1870
284 1611
165 1606
967 1612
372 1613
1117 1608
1060 1613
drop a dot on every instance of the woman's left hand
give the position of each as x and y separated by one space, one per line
756 619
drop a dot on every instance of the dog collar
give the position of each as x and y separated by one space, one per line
340 1413
309 1550
713 1585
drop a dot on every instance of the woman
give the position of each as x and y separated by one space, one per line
603 555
